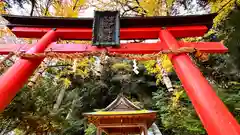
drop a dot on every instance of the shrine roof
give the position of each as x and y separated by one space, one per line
125 22
113 113
121 106
121 103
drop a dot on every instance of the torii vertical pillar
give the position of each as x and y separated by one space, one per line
214 115
17 75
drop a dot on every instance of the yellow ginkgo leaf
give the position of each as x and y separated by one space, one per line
175 98
69 9
2 6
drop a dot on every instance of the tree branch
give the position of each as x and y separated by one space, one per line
75 5
141 6
47 7
224 6
65 65
33 2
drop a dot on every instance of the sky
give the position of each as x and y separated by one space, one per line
87 13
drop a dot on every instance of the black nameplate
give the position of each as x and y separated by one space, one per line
106 28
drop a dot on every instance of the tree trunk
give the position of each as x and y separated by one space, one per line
70 110
166 79
59 100
155 129
62 92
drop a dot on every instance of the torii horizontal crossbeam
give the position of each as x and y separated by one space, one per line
125 33
133 48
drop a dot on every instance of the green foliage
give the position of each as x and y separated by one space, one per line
233 37
18 132
121 66
152 67
74 127
224 68
224 8
32 107
170 3
176 113
84 93
66 82
238 3
231 97
91 130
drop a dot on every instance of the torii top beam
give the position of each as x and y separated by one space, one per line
125 22
130 27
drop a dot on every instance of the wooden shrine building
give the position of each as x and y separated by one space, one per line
122 117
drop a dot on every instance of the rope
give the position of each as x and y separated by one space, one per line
53 55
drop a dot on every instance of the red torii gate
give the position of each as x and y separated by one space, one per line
214 115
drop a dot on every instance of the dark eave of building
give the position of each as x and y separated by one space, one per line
125 22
